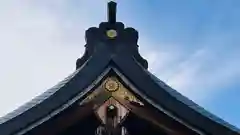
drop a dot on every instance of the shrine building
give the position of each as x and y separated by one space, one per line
112 92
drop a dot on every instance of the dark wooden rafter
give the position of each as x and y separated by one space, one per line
162 121
81 111
85 109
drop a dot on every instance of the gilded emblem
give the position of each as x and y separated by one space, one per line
111 85
111 33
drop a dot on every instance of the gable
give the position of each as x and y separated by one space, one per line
127 95
99 88
115 89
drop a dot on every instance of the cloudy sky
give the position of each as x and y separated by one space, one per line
194 46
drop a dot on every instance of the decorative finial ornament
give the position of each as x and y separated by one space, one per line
111 33
112 11
114 35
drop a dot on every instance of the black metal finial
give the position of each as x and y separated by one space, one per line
112 10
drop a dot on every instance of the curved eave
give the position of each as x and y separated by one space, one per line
57 96
191 104
163 95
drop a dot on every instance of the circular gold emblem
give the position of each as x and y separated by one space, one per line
111 85
112 33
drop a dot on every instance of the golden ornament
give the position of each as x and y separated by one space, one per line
111 33
111 85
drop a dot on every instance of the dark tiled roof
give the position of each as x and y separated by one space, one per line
191 104
169 99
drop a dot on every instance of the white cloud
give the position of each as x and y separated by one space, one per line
34 50
199 76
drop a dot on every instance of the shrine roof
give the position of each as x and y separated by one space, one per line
120 54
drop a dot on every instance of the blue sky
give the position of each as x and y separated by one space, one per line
191 45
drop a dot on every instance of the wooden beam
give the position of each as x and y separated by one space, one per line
162 121
71 117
